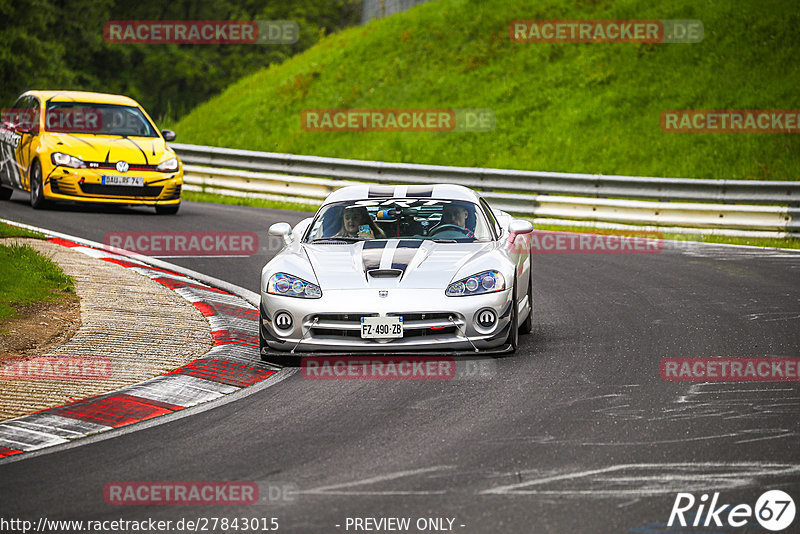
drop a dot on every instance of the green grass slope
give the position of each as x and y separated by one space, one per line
590 108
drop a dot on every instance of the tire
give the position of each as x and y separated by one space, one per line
283 361
5 193
513 333
169 209
37 189
527 326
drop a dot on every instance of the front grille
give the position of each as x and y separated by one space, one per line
415 325
343 317
63 188
122 190
334 334
435 316
131 166
441 331
175 194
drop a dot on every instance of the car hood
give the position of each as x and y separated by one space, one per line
110 148
401 263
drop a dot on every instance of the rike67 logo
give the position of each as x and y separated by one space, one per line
774 511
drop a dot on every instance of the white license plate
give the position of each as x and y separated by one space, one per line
381 327
123 180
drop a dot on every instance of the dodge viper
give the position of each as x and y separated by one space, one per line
393 269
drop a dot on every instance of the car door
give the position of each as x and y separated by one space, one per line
9 143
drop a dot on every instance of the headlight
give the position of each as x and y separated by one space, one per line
292 286
168 166
65 160
477 284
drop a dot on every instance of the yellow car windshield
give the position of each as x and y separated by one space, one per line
97 119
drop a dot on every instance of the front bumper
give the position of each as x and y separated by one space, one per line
432 322
86 185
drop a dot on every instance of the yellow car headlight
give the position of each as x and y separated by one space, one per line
168 166
65 160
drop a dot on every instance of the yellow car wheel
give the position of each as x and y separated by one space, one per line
37 189
170 209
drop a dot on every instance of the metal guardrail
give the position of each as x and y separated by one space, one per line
735 207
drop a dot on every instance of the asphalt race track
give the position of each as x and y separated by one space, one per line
575 433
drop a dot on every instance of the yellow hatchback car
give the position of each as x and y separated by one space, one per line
87 147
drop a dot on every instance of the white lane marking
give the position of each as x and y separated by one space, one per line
659 481
787 434
579 474
330 490
778 433
780 316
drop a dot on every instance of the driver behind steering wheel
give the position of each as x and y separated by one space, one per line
457 215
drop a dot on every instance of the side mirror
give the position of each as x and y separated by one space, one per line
517 227
520 226
283 230
169 135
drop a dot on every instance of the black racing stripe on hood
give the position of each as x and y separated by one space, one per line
144 154
84 141
404 254
419 191
371 254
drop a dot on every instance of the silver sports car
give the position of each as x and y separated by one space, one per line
393 269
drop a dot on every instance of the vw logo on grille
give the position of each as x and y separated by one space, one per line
383 293
283 320
122 166
486 318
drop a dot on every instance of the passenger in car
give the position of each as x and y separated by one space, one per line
356 222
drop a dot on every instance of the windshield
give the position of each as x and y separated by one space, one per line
440 220
98 119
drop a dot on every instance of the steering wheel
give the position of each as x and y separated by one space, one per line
450 227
